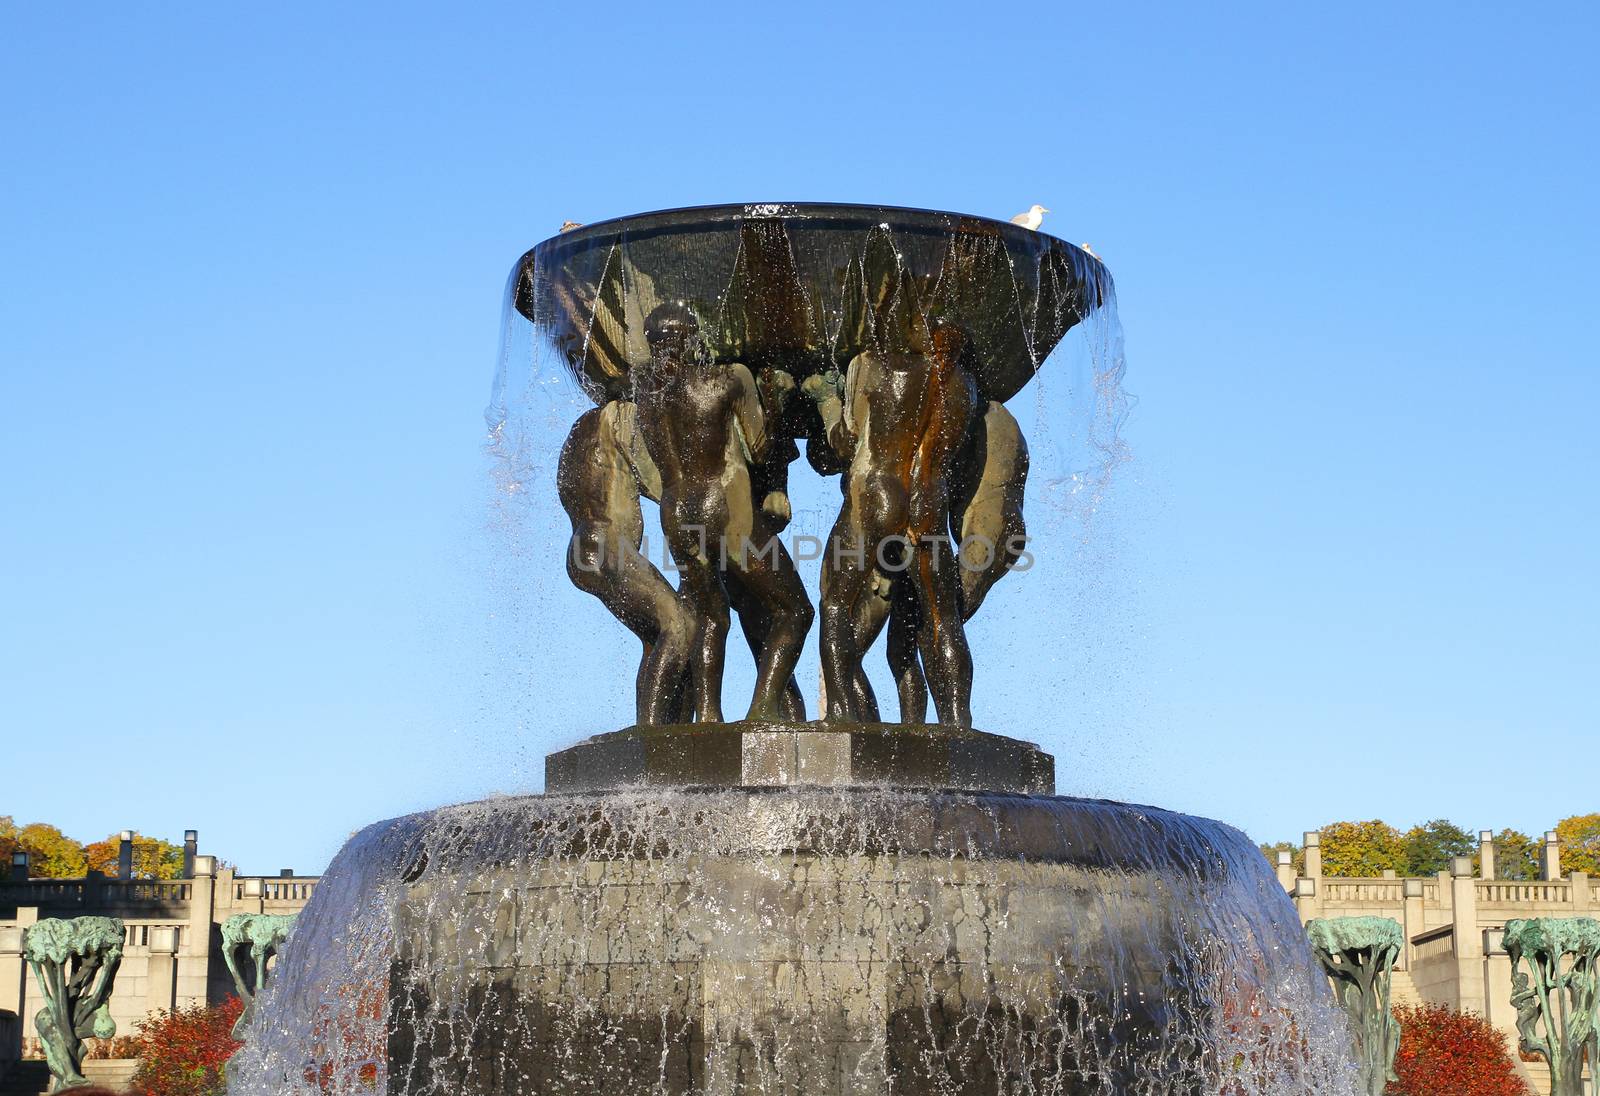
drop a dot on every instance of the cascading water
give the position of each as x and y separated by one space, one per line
796 941
790 907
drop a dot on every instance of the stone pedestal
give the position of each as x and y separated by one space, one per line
776 755
800 911
804 940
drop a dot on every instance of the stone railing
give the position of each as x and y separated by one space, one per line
54 893
1508 893
1364 891
275 889
96 894
140 934
1438 944
149 891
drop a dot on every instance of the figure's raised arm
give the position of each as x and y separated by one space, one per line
621 419
747 412
823 389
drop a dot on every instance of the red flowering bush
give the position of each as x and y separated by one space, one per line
182 1053
122 1046
1448 1053
350 1041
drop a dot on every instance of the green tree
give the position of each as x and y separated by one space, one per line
1361 849
1430 847
1580 843
153 858
52 854
1271 849
8 841
1516 856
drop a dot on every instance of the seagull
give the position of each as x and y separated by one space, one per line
1091 251
568 226
1032 219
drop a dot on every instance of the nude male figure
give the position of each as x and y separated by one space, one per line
601 474
987 526
902 418
705 429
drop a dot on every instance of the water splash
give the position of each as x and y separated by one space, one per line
797 941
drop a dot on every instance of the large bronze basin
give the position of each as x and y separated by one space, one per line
793 285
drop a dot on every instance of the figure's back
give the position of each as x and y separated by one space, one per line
889 403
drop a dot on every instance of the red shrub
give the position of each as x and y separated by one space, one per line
182 1053
122 1046
349 1039
1448 1053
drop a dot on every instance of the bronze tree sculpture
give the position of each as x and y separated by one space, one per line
75 963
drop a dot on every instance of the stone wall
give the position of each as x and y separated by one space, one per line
172 954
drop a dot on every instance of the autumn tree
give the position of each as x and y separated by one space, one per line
1516 856
1580 843
51 853
1362 849
153 858
8 840
1430 847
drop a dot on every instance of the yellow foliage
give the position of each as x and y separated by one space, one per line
153 858
52 854
1361 849
1580 843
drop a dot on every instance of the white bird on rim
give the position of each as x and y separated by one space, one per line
1091 251
568 226
1032 219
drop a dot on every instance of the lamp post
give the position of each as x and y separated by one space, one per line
125 855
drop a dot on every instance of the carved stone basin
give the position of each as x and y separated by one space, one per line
796 286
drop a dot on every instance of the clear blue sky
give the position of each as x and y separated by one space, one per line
249 296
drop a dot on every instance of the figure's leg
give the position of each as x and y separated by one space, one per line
871 614
703 590
664 669
755 624
792 705
943 639
768 578
640 597
848 581
905 626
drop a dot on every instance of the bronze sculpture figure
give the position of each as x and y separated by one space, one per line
602 472
704 426
901 419
989 533
696 331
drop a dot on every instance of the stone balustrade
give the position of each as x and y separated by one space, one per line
169 958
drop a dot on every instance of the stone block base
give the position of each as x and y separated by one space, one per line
777 755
